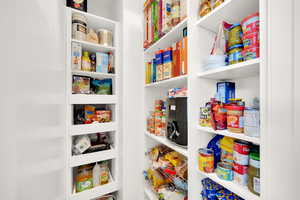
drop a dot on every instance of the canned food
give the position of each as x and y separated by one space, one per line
105 37
206 160
240 174
241 152
235 54
235 35
224 171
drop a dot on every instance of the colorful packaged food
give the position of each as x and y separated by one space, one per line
235 118
103 87
224 171
252 122
251 53
155 28
205 8
251 40
214 144
205 117
102 62
250 23
153 71
159 65
81 85
235 54
79 26
104 173
241 151
76 56
175 12
167 16
226 145
218 115
84 178
103 116
240 174
225 91
235 35
158 122
206 160
89 112
183 9
167 63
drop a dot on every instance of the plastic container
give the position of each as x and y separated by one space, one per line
250 23
241 152
235 118
206 160
252 122
240 174
254 173
86 62
105 37
250 53
251 40
79 26
224 171
96 175
235 54
235 35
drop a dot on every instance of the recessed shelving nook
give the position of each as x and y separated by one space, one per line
93 112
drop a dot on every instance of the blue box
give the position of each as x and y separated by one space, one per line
153 71
225 91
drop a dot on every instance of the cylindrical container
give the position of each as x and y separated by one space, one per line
254 173
250 23
251 122
235 118
241 152
206 160
240 174
251 40
86 62
250 53
235 54
79 26
224 171
235 35
105 37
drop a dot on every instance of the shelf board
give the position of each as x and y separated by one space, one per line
178 81
230 134
98 75
165 141
239 190
92 47
83 129
231 11
93 99
174 35
88 158
240 70
95 192
94 20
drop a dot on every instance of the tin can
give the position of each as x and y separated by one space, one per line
206 160
79 26
224 171
241 152
240 174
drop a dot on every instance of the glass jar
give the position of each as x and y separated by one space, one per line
254 173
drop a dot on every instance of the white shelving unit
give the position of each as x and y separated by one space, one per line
248 77
111 128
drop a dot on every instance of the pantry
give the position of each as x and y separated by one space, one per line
151 100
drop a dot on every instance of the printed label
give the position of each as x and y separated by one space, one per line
256 184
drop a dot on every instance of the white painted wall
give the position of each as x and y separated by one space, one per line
32 118
133 110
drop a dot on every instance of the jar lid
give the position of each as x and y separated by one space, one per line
235 107
235 46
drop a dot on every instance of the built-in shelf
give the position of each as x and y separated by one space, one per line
239 190
239 70
83 129
231 11
95 192
174 35
163 140
240 136
92 157
178 81
98 75
93 99
93 47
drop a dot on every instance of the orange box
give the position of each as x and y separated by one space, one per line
185 55
176 59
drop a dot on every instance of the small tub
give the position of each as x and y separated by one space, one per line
235 35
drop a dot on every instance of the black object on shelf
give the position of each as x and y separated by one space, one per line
78 4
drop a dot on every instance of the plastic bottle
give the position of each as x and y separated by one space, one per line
96 175
86 62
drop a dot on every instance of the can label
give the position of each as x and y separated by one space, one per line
241 153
